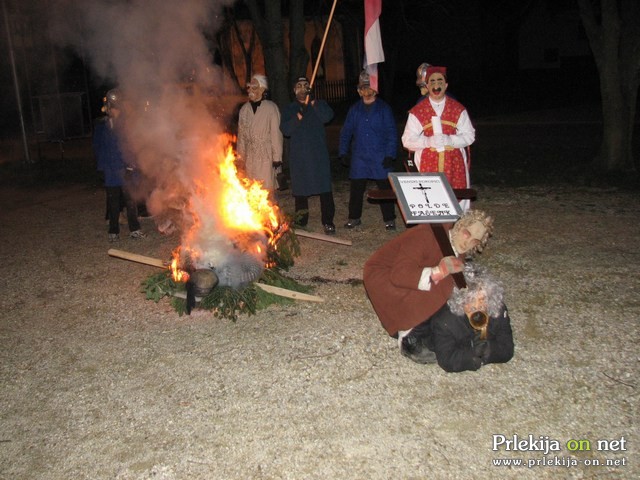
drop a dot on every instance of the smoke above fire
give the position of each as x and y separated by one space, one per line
176 101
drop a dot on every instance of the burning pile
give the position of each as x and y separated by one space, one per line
232 236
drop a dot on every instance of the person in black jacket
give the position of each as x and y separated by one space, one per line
472 329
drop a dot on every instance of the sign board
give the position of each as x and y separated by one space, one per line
425 197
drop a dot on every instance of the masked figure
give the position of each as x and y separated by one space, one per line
115 164
369 132
303 123
438 130
259 137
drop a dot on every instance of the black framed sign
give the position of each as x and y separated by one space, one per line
425 197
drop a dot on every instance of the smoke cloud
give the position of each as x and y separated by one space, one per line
176 101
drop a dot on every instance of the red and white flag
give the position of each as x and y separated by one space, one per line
373 53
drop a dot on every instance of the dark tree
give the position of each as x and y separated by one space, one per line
613 30
268 20
298 55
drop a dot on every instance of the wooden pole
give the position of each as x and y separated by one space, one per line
16 84
155 262
324 39
324 238
134 257
283 292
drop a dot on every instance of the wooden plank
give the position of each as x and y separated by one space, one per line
283 292
324 238
134 257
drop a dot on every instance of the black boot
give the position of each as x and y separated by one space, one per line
414 348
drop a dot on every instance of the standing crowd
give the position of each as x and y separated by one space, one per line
437 135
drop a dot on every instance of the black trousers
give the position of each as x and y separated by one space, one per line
327 209
356 198
115 196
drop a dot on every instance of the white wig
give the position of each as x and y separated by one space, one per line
262 81
479 281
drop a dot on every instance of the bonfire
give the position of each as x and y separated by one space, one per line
232 236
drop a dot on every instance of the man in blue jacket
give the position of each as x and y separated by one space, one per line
370 132
111 161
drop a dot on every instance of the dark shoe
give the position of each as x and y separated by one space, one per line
301 218
353 222
390 225
329 229
412 348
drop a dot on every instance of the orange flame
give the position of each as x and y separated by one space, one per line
243 210
177 274
246 204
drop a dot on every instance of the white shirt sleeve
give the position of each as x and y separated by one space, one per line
413 137
465 133
425 279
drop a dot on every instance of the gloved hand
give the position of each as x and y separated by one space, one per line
312 95
481 350
441 141
345 161
388 162
302 109
447 266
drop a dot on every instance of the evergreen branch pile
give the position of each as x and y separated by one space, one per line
227 302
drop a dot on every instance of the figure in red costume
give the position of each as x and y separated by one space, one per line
438 129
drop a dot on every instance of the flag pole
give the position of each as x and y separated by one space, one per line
324 39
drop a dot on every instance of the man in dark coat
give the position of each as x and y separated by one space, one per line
369 131
310 168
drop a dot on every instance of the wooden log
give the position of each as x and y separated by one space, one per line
281 292
134 257
155 262
324 238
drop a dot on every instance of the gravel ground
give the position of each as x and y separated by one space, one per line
99 383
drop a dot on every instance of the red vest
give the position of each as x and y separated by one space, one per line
451 161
